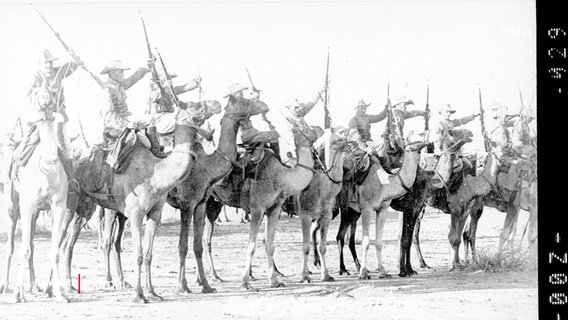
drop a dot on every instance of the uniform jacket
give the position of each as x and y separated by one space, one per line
362 122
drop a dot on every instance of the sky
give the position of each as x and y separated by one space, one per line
454 47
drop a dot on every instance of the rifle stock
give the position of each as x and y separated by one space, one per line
151 62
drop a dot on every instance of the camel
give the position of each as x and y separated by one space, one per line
190 196
141 190
112 222
411 205
265 193
510 202
41 184
375 194
316 201
459 203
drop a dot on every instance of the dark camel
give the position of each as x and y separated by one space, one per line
190 196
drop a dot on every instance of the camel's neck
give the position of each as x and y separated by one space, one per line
218 162
336 166
398 185
299 177
171 171
482 184
48 146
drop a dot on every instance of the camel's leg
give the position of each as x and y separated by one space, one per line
58 208
366 219
212 209
416 241
255 220
456 227
152 223
198 226
509 228
270 232
183 247
340 239
28 214
352 231
324 221
314 233
101 224
409 222
470 232
379 228
108 230
117 241
69 246
532 236
136 215
14 214
306 221
34 285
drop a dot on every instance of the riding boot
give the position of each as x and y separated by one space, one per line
68 168
152 135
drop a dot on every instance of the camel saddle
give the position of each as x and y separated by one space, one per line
124 147
514 173
94 173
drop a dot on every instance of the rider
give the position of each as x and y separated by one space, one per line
522 139
115 111
441 131
362 122
249 134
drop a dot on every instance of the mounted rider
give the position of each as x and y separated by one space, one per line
49 78
443 131
115 112
250 136
362 123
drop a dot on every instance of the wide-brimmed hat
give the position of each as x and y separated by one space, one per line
46 56
445 107
234 88
114 65
291 102
498 108
361 103
401 99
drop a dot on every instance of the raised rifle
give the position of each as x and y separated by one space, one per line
486 141
69 51
429 147
327 115
390 120
169 85
152 66
255 89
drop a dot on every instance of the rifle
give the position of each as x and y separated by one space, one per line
169 79
251 83
69 51
486 142
429 147
258 91
390 119
327 116
83 133
152 66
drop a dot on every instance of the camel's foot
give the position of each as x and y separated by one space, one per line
208 289
343 271
383 275
20 296
61 297
306 279
217 279
154 296
327 278
423 265
278 273
364 274
139 298
48 292
247 286
276 284
184 289
124 285
456 267
108 284
70 289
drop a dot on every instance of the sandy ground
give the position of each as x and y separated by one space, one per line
432 294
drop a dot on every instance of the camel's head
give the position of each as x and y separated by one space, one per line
464 135
241 108
306 136
416 141
42 98
189 116
343 138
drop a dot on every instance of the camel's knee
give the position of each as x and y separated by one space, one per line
148 259
198 249
322 248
